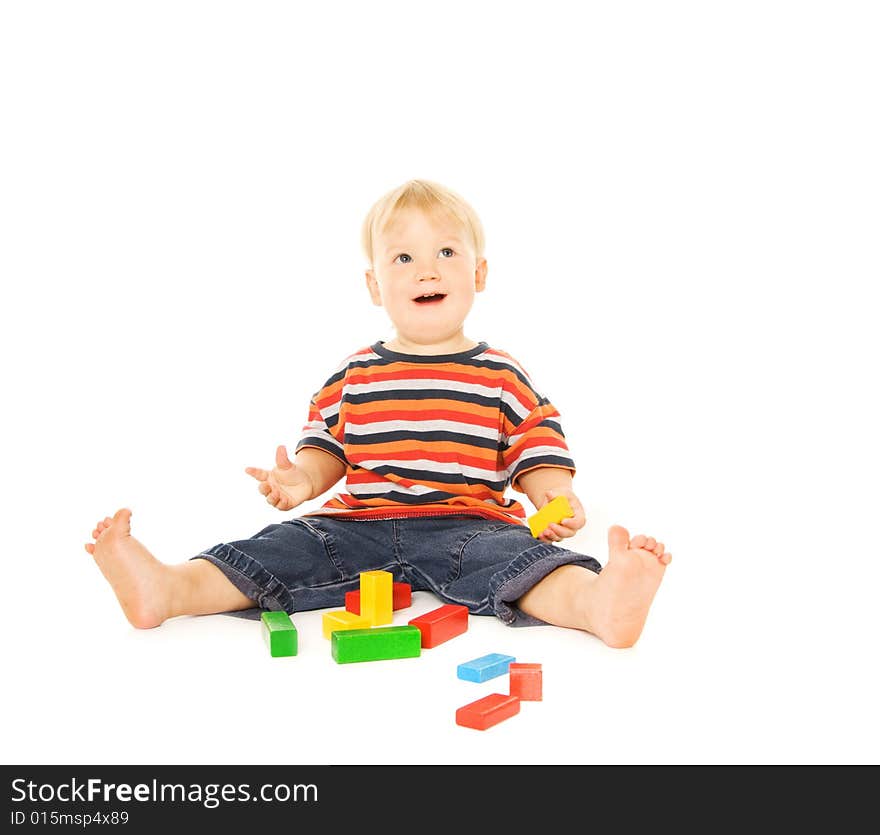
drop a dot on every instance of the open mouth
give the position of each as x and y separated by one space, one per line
430 298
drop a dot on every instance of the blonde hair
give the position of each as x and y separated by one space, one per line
431 198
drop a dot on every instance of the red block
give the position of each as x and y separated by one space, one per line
525 681
488 711
401 598
441 624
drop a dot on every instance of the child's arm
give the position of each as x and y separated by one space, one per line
323 468
544 483
290 484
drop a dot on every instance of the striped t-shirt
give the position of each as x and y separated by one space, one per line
427 435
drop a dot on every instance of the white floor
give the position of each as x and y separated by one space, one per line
728 671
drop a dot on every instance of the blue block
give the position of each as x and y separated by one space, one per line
482 669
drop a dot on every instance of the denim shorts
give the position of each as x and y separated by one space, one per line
310 562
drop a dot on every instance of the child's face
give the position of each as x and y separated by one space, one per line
425 275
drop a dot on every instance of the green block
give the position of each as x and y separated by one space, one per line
376 644
279 633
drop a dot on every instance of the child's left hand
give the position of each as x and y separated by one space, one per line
567 527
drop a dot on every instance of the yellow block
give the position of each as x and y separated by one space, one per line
376 597
342 619
554 511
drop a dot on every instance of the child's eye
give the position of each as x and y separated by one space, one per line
408 258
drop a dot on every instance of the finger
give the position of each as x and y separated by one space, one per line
574 523
560 532
257 473
281 459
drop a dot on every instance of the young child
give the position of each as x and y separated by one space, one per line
428 429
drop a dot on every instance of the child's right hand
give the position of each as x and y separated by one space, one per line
285 486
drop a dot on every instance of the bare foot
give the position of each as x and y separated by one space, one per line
137 577
626 586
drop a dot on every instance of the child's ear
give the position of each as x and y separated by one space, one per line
480 275
373 288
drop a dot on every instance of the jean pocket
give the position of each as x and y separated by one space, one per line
326 563
477 550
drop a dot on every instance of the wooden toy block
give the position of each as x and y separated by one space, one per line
376 596
488 711
441 624
342 619
525 681
377 643
279 633
554 511
401 598
485 667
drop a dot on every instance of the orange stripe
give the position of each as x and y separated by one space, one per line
514 513
486 463
424 449
423 405
475 491
464 374
423 414
517 449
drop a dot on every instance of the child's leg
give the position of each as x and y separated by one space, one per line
614 604
150 591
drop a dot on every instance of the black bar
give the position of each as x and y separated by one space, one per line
143 798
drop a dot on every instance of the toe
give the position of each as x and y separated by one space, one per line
122 518
90 548
638 541
650 543
618 538
665 559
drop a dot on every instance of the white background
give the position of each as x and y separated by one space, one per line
681 207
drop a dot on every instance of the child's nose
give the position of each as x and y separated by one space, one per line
426 269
